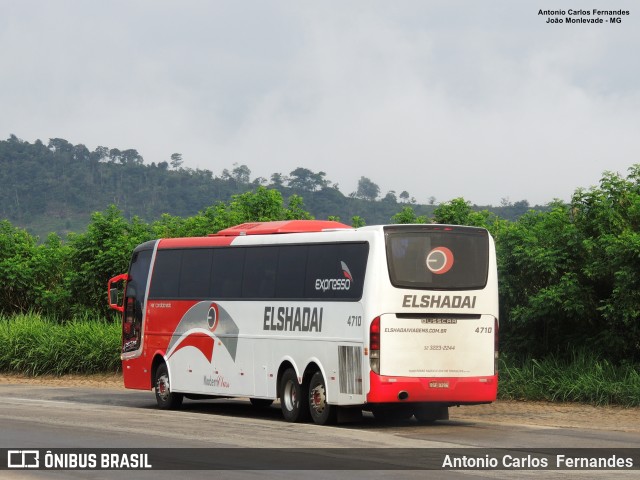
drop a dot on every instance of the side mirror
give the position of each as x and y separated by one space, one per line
113 296
113 292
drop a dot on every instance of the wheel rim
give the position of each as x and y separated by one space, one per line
290 396
162 388
318 399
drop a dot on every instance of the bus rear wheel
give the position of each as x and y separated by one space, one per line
167 400
294 404
321 412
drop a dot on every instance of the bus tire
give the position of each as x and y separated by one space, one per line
261 402
293 402
321 412
167 400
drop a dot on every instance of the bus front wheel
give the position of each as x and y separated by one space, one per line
167 400
294 404
321 412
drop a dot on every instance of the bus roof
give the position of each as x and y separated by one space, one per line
284 226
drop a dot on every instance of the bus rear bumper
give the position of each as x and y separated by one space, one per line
390 389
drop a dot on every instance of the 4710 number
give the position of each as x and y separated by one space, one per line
484 330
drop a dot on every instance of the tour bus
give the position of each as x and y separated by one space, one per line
398 320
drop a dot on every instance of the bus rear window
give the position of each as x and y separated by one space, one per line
437 258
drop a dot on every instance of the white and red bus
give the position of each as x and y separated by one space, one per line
400 320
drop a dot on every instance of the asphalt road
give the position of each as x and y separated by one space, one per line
41 417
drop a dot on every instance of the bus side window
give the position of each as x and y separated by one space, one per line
292 268
227 271
260 268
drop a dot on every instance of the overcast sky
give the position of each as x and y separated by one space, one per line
480 99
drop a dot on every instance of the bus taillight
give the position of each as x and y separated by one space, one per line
495 348
374 345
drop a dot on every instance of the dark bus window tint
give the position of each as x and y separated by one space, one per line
166 274
260 268
138 274
292 265
228 265
321 270
456 259
135 296
195 273
336 270
352 259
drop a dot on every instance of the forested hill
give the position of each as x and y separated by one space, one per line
55 187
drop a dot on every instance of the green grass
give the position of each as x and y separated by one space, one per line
33 345
584 378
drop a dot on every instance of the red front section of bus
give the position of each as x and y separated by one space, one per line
136 373
162 318
389 389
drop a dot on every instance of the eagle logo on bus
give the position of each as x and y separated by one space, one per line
212 317
345 271
191 331
439 260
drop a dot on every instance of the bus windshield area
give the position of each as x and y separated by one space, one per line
134 300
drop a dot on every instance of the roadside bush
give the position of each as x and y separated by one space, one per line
33 345
583 378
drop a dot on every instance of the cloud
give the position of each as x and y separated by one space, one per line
442 99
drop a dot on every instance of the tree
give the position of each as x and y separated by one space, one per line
60 145
100 154
404 196
103 251
407 215
241 174
357 221
367 190
81 153
569 275
295 209
278 180
305 179
131 157
114 155
16 250
459 212
390 197
176 160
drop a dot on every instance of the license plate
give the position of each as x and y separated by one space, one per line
439 384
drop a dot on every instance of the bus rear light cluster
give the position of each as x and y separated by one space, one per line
495 348
374 345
